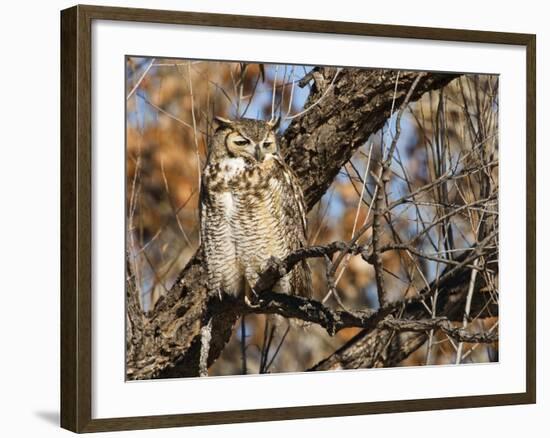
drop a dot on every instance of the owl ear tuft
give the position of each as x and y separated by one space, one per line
222 122
274 123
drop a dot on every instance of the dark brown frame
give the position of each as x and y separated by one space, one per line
76 173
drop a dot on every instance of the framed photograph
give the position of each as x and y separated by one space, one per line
268 218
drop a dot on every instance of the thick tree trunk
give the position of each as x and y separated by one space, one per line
344 108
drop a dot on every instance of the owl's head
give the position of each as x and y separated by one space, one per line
248 138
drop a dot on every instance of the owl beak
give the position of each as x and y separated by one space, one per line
258 152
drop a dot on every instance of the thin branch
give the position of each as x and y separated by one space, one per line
381 179
172 206
132 91
441 323
276 353
361 197
301 113
467 308
274 93
197 153
277 268
166 113
244 367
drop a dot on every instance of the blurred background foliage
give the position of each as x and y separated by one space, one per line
170 107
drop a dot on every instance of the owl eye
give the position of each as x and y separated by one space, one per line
241 142
267 144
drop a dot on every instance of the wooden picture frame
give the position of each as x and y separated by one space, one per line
76 217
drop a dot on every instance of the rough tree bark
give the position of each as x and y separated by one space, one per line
344 108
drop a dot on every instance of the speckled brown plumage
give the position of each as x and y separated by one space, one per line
252 208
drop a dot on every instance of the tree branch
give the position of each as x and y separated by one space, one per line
333 321
359 102
315 145
441 323
381 180
381 347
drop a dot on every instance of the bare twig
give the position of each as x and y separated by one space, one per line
441 323
197 153
381 179
276 352
163 111
301 113
135 87
467 308
244 367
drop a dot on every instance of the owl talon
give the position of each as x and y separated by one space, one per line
254 294
249 303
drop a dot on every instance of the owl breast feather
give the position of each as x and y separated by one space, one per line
252 213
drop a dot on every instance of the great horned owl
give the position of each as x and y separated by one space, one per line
251 208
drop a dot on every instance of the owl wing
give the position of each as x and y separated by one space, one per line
294 203
293 224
